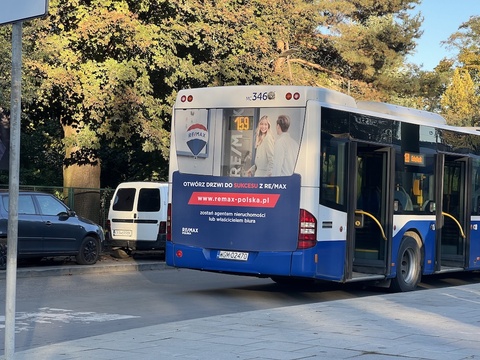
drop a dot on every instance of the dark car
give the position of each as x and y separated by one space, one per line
47 227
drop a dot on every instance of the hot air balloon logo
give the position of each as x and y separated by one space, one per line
197 138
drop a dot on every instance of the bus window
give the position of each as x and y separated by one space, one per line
476 187
238 141
261 142
414 186
333 173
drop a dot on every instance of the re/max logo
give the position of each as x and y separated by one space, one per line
189 231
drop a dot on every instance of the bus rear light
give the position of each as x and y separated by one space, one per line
290 96
307 235
168 224
179 253
185 98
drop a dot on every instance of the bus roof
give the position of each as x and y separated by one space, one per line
260 95
291 96
403 112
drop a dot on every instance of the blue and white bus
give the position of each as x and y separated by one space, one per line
303 183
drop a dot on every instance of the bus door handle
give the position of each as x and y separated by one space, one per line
361 212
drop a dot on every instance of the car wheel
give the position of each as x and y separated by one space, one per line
89 251
3 256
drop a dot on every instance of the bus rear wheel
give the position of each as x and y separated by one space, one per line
409 270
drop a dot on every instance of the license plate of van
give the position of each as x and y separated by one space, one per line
233 255
122 232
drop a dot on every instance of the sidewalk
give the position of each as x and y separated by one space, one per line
425 324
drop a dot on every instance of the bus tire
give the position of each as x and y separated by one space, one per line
409 269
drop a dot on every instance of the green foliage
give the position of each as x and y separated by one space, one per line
459 102
93 64
5 66
370 39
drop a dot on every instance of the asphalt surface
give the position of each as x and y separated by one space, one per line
106 264
441 323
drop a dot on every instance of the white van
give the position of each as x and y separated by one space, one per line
137 217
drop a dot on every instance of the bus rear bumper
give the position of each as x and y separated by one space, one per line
256 264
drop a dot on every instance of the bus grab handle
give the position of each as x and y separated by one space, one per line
374 219
456 222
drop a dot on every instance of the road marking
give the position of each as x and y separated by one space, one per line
25 321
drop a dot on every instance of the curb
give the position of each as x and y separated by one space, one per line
74 269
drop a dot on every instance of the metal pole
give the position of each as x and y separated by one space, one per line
13 189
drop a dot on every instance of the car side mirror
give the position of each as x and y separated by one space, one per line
63 215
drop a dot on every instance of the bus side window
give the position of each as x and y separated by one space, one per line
404 200
333 173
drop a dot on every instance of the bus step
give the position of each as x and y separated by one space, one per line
449 269
356 276
369 254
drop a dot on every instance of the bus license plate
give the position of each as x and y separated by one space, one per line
233 255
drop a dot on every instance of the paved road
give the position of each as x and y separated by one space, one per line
438 323
61 301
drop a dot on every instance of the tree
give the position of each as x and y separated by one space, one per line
91 61
459 103
467 42
366 41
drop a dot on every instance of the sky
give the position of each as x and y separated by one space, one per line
441 19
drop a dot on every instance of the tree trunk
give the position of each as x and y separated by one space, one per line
82 182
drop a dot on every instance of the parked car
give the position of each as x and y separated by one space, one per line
47 227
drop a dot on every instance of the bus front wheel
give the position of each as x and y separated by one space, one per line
409 270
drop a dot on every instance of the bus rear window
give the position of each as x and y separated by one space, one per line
261 141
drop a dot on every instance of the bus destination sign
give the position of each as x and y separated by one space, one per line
414 159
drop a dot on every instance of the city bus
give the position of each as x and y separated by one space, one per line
301 184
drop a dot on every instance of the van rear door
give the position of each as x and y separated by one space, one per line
122 214
146 218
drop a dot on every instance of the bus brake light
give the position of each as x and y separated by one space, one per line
307 236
